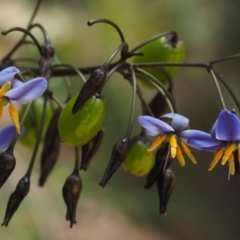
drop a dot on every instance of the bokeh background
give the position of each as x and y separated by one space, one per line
204 205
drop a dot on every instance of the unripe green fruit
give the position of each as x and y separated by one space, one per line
168 48
80 128
137 162
32 121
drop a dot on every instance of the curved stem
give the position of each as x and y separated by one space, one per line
41 28
77 71
229 90
40 131
224 59
24 36
218 88
77 159
103 20
119 48
161 89
150 40
134 84
5 32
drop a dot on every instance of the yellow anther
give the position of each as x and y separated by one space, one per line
156 143
180 157
231 164
173 145
3 101
188 152
14 115
5 88
216 158
228 152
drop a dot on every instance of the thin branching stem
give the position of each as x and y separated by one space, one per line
161 88
19 43
218 88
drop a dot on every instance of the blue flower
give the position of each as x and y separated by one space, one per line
168 131
12 89
6 136
223 140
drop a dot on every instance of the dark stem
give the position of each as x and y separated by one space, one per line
102 20
40 132
5 32
24 36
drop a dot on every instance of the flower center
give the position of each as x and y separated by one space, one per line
12 111
174 148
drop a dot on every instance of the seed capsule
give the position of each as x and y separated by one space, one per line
137 162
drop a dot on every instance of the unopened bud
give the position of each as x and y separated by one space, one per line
118 154
7 165
71 192
16 198
165 184
51 148
162 162
93 86
89 149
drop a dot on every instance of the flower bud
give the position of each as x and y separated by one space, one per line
47 55
16 198
118 154
162 162
158 105
7 165
51 148
89 149
71 192
165 184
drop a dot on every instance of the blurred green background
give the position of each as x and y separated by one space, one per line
204 205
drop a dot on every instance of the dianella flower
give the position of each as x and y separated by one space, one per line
15 90
224 140
168 131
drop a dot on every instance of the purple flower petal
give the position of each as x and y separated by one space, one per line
179 122
28 91
6 136
8 75
200 140
154 126
9 70
227 127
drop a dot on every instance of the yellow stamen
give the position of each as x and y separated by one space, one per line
157 142
173 145
216 158
231 164
188 152
228 152
5 88
14 115
180 157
